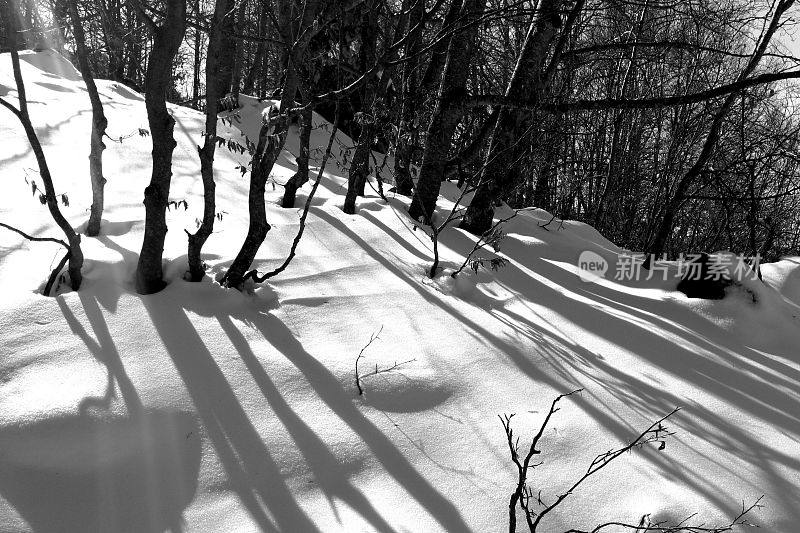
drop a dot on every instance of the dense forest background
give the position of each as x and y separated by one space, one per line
671 127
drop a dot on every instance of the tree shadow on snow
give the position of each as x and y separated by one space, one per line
718 364
686 345
252 471
211 392
126 475
105 351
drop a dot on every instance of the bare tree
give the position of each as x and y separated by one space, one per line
74 254
167 38
407 131
216 39
295 33
447 114
534 508
372 100
99 123
682 189
530 80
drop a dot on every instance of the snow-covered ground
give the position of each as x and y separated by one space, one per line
207 410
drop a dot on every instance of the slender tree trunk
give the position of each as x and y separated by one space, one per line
198 239
528 80
270 143
271 140
73 239
609 197
261 49
359 165
198 38
433 72
134 50
301 176
447 114
166 40
410 93
238 56
99 124
115 43
227 52
545 177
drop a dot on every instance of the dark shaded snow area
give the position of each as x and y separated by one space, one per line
208 410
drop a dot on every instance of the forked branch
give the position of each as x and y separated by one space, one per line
524 497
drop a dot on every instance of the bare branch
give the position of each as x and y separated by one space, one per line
640 103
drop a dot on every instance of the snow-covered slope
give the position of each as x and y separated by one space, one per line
206 410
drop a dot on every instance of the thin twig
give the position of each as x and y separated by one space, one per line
372 338
483 241
51 280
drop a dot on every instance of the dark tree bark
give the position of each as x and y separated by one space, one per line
114 40
407 134
74 240
528 81
261 49
198 38
359 165
227 51
447 114
301 176
167 39
198 239
99 124
238 57
433 72
270 143
272 137
133 68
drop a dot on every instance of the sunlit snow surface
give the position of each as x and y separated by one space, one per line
207 410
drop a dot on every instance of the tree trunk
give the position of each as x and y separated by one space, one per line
433 72
134 64
198 38
115 44
447 114
270 143
238 57
198 239
301 176
99 124
407 134
227 52
166 40
528 81
261 49
271 140
359 165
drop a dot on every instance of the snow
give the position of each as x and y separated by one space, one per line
203 409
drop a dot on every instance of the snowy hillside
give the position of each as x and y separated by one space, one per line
202 409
